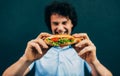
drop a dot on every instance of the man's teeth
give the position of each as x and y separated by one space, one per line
62 33
65 32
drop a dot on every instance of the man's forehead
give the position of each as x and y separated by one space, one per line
59 16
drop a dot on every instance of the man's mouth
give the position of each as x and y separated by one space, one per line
61 32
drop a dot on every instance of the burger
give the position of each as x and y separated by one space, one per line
61 40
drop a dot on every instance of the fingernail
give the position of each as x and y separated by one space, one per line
80 46
41 52
46 46
76 45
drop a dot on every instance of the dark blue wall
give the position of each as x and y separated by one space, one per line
23 20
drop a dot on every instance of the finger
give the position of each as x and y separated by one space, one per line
81 35
84 35
83 56
75 35
36 46
86 50
41 43
43 35
84 43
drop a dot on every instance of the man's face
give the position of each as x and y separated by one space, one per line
60 24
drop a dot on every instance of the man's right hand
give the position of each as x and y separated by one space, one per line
36 48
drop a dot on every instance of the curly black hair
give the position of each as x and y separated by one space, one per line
63 9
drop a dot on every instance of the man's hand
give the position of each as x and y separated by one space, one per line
36 48
85 48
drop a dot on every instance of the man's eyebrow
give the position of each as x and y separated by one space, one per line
65 21
55 22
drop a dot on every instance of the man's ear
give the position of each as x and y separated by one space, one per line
72 25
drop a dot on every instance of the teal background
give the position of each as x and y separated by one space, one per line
23 20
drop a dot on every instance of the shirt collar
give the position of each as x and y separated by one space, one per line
62 48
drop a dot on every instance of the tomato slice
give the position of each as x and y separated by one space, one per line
55 39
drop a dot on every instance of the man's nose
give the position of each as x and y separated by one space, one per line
60 28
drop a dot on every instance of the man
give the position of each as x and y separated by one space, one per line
59 61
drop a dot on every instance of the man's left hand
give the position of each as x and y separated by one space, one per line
85 48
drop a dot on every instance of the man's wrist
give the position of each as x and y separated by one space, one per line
96 61
25 60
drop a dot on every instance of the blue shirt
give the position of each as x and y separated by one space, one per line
60 62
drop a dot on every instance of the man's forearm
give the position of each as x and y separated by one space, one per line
18 68
99 70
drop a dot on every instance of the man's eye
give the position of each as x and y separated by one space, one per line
55 23
64 23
